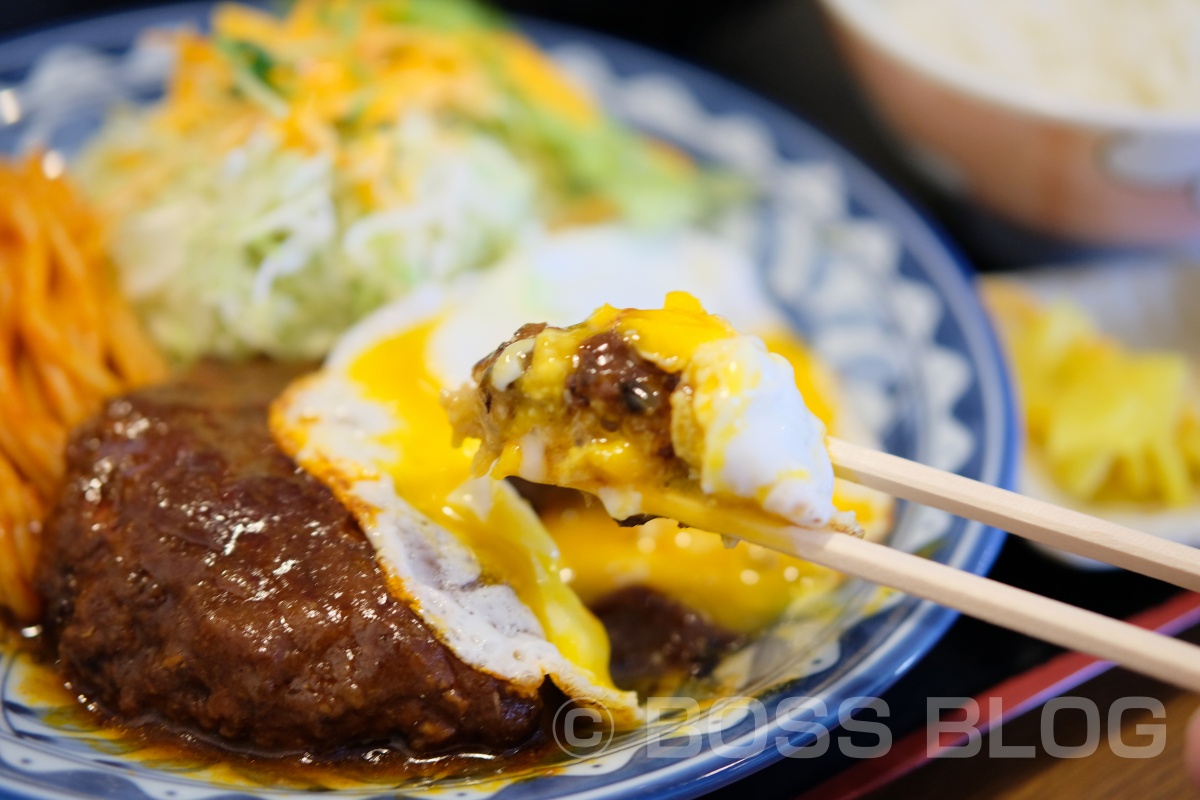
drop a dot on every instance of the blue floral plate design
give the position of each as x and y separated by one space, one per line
877 292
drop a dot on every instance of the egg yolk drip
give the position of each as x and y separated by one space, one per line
507 537
743 589
612 403
631 405
622 452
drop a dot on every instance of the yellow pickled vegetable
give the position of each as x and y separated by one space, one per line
1109 423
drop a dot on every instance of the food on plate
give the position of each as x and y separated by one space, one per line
1107 425
631 404
67 341
301 171
480 558
195 576
1113 53
319 569
598 414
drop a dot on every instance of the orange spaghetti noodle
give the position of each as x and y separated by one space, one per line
67 341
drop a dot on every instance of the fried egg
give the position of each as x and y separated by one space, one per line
632 401
504 588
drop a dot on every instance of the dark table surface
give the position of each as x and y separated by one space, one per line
780 49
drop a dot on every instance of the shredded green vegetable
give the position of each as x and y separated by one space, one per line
303 171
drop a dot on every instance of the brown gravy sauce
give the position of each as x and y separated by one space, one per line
686 648
151 743
657 645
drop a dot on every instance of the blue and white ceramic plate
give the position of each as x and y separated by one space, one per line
877 293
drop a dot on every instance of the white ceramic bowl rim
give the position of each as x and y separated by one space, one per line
866 18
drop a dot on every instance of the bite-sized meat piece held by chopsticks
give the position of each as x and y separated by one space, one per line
634 404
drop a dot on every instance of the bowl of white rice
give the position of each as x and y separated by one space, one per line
1074 118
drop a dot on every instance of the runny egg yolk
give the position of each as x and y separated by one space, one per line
575 554
633 402
742 589
506 535
667 337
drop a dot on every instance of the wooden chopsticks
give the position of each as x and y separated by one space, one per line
1023 516
1161 657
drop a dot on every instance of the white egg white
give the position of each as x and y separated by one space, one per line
759 440
334 428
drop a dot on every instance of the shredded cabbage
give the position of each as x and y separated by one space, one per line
267 251
302 171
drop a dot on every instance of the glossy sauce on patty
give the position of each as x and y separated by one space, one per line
213 602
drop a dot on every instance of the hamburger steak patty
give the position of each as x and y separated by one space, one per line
195 576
